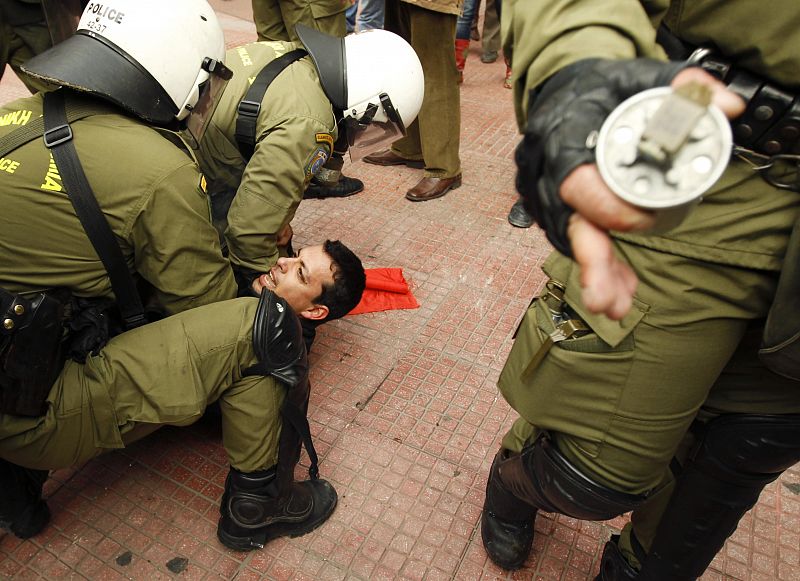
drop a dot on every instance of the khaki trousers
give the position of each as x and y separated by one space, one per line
434 136
162 373
276 19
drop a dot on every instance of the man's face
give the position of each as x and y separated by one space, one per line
299 280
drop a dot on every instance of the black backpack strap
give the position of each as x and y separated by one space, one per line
249 107
58 139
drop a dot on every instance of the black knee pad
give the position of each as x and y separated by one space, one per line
738 455
744 449
558 486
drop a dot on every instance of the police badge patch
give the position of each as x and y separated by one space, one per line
315 161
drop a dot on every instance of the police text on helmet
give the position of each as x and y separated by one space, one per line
105 12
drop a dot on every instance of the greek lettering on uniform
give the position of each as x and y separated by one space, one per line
16 118
8 165
52 181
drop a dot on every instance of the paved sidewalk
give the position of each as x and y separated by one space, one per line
405 412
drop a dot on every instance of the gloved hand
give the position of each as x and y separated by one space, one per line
562 114
244 281
278 341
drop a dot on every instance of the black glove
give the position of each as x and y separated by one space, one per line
278 341
561 115
244 281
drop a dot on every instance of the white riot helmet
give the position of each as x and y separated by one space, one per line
375 79
151 57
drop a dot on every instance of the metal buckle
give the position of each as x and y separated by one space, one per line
57 135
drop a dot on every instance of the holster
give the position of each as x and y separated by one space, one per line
30 351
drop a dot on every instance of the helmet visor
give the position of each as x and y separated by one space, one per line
210 95
62 18
365 135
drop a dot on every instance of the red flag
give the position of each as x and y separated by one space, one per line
386 290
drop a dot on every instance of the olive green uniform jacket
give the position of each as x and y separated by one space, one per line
152 195
620 398
731 227
295 132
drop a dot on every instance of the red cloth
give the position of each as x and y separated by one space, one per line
386 290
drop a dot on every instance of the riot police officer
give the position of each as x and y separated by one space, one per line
636 373
268 137
276 20
139 219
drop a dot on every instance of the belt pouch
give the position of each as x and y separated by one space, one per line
30 351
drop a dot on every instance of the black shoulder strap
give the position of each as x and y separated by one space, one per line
247 112
35 128
58 138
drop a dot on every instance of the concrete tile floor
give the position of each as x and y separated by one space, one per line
405 412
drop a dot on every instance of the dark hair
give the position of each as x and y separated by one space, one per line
349 281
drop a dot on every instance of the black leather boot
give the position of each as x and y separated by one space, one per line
255 512
506 522
613 565
344 187
518 216
22 510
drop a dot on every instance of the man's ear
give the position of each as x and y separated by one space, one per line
315 313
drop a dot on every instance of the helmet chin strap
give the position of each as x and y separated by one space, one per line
391 112
369 114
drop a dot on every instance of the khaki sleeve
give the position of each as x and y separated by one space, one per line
544 37
176 248
251 422
272 187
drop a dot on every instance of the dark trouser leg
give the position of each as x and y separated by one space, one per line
22 510
541 477
739 455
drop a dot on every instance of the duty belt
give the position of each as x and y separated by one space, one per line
767 134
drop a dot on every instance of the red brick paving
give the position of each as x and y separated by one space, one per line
405 412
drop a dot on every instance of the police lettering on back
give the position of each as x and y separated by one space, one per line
104 12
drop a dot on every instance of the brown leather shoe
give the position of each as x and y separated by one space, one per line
388 157
432 188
